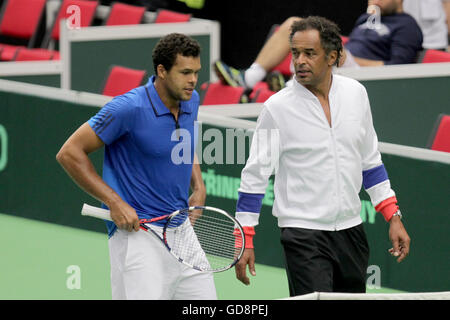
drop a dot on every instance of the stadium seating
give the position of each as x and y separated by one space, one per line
344 40
87 14
217 93
261 95
8 51
123 14
285 66
168 16
19 23
260 92
259 85
433 56
440 136
24 54
121 80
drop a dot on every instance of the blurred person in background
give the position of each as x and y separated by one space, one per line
384 35
433 18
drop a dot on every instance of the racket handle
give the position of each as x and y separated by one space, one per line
95 212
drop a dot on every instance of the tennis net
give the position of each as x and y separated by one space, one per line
444 295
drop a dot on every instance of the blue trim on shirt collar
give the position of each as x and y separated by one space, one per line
158 106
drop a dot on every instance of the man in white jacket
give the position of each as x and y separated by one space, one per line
317 136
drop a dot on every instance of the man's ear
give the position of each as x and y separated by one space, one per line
332 58
161 71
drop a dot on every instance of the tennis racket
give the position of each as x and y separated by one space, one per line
204 238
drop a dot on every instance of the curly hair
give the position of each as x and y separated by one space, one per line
169 46
330 34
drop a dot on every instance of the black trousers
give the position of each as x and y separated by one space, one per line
325 261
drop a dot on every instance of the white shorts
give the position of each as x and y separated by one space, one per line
143 269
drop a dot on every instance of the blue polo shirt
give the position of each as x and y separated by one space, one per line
397 39
148 155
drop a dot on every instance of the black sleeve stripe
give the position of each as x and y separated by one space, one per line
101 122
106 124
100 119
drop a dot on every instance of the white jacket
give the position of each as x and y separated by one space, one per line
320 169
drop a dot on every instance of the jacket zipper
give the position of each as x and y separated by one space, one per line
338 182
336 162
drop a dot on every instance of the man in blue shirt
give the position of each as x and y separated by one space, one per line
385 35
142 175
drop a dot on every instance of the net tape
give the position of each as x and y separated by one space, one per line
444 295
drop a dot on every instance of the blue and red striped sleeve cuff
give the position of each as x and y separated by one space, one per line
248 208
376 183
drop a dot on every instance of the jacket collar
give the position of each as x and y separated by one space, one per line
302 90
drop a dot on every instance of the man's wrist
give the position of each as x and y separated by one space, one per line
396 217
112 200
388 208
249 232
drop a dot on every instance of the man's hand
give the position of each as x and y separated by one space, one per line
248 258
197 198
399 238
124 216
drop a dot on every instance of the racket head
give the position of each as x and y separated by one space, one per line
204 238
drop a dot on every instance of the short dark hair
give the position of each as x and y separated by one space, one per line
330 34
169 46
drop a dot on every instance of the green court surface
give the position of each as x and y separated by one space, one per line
47 261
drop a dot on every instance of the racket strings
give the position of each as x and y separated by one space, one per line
206 241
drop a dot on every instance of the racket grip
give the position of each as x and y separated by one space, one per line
95 212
